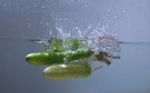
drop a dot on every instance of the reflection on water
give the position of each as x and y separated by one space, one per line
130 74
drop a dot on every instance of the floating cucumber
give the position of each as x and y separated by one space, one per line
64 71
47 58
44 58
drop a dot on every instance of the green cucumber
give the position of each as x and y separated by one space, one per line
47 58
44 58
66 71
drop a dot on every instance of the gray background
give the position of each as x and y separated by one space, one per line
34 19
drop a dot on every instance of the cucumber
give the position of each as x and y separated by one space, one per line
49 58
66 71
44 58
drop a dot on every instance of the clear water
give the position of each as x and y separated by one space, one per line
130 74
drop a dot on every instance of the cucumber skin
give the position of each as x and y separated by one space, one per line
44 58
49 58
67 71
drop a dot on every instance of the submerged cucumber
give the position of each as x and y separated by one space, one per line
64 71
44 58
47 58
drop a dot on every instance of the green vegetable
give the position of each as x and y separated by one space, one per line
64 71
49 58
45 58
66 58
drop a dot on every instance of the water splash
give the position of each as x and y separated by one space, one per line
96 37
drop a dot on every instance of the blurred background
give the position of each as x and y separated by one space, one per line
22 20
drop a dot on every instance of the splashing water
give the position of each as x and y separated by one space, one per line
94 37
